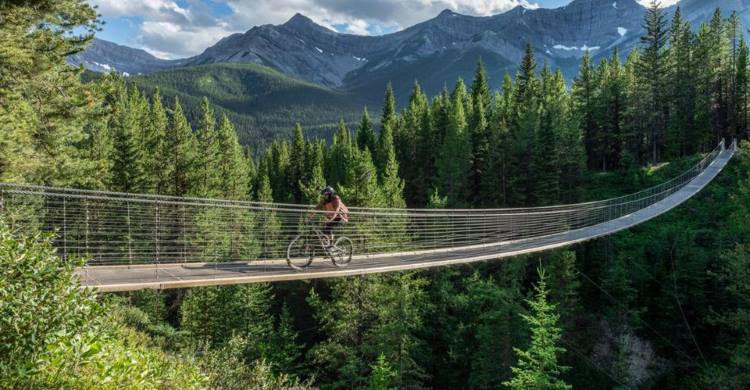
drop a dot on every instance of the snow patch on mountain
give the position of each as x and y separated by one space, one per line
103 66
663 3
574 48
622 31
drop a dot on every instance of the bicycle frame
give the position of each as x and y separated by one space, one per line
319 234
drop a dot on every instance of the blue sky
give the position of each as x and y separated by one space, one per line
181 28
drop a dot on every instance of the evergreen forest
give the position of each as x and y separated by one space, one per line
662 305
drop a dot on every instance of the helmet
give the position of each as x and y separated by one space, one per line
328 191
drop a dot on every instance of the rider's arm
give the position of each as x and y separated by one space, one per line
337 206
318 206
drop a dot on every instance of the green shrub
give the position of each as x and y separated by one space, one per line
54 334
41 304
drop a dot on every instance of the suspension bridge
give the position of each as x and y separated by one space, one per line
131 241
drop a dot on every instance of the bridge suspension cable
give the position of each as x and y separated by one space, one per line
110 228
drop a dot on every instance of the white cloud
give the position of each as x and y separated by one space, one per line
486 7
169 30
361 16
358 26
161 10
179 40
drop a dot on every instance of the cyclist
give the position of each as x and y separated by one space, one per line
336 213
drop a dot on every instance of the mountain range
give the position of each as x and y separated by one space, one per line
435 52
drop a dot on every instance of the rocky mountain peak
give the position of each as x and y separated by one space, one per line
302 23
299 20
447 13
435 51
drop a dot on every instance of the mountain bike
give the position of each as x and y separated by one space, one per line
302 250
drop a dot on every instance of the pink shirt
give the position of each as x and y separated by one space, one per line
334 208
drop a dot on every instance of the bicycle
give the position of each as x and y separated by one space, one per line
301 250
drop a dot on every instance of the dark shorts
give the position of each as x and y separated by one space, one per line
328 227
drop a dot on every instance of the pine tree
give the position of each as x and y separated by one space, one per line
652 70
139 110
706 59
392 185
341 154
215 314
479 132
436 201
635 123
233 168
280 166
524 124
388 124
297 169
43 102
526 79
480 88
385 150
389 108
382 375
489 306
545 164
314 179
155 146
718 59
284 350
181 150
453 158
206 179
741 82
494 187
607 147
268 223
99 150
570 148
364 317
734 38
424 159
406 141
565 293
127 168
537 366
584 90
442 109
366 133
681 84
360 185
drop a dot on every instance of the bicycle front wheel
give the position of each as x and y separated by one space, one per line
341 252
300 252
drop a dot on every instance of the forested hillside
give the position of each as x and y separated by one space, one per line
262 103
661 305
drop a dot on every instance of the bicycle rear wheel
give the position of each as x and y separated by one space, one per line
300 252
341 252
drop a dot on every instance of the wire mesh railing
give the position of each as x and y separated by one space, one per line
110 228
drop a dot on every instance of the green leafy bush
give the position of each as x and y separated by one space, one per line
55 334
41 304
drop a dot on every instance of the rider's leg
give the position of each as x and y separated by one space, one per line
334 226
330 227
327 232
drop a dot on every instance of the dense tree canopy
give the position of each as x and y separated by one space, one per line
664 304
